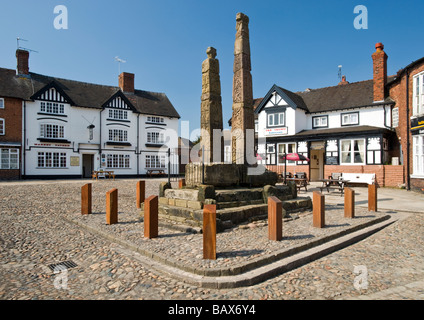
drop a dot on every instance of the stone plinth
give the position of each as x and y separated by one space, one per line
226 175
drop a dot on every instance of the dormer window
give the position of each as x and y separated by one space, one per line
52 107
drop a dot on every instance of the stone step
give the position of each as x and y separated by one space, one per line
235 204
238 195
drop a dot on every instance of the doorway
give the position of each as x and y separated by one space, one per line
87 165
317 165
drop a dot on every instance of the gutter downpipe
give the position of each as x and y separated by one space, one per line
408 143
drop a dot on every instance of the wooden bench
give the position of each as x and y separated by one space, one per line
368 178
152 172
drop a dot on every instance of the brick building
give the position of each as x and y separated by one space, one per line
407 90
11 124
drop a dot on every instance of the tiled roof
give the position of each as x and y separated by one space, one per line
83 94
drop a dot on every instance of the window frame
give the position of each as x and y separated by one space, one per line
155 119
120 133
320 125
278 153
60 107
418 94
349 124
352 150
48 159
158 159
160 140
118 114
2 127
10 152
2 105
44 133
118 161
418 155
276 115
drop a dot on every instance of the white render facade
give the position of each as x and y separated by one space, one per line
63 139
338 134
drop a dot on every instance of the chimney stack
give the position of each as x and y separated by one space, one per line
126 82
379 58
343 82
22 57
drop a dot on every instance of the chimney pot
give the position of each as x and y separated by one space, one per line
22 57
126 82
379 46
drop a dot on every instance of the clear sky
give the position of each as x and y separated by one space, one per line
294 44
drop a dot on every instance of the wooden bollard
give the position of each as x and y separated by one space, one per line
318 210
349 203
209 231
112 206
141 193
151 217
275 219
181 183
86 199
372 197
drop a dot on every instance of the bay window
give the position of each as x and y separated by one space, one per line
352 151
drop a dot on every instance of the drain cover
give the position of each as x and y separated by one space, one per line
62 265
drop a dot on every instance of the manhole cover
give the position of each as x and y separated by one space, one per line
62 265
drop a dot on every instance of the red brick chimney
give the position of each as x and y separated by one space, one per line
343 82
22 57
379 58
126 82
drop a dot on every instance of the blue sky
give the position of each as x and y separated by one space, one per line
294 44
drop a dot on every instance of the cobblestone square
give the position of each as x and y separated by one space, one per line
38 228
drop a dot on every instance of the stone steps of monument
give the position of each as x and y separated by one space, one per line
235 204
238 195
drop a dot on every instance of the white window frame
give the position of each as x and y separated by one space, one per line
118 135
418 156
9 157
52 160
118 114
418 94
320 122
155 119
289 162
47 133
155 137
155 161
2 127
276 116
1 103
52 107
118 161
352 152
350 121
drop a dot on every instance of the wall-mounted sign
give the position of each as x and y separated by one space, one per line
75 161
276 131
417 124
